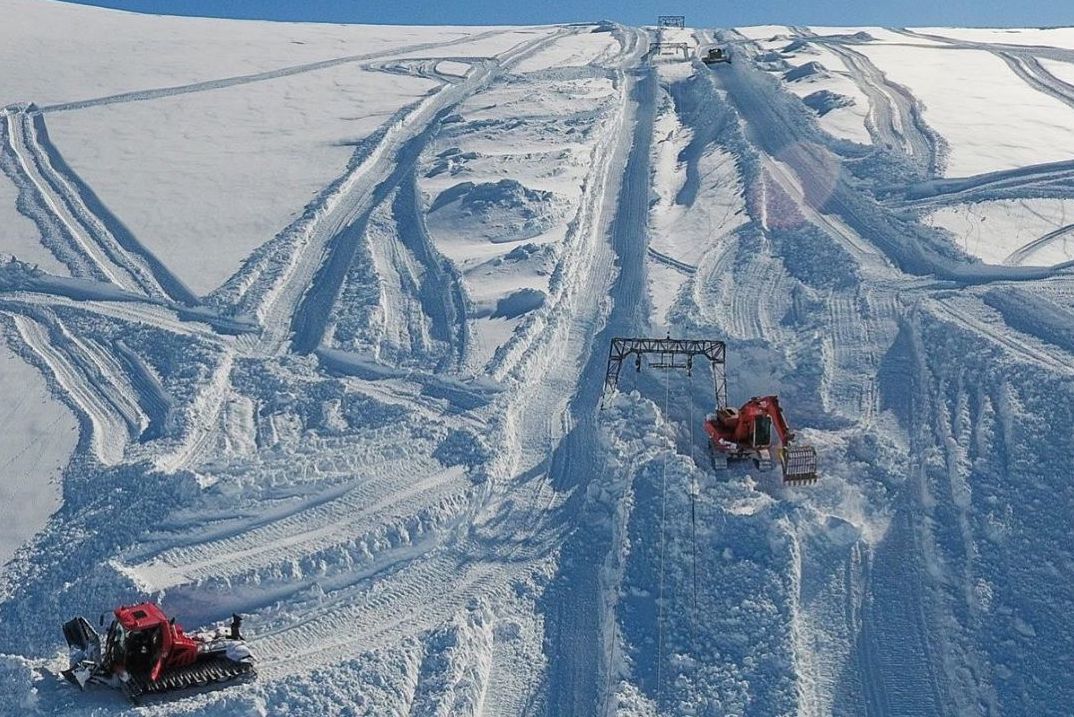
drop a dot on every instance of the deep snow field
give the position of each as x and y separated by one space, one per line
309 322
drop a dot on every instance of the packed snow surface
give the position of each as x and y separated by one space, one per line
37 437
309 323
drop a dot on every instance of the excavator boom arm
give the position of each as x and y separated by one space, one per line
770 405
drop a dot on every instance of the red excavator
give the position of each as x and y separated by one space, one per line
747 433
144 653
733 434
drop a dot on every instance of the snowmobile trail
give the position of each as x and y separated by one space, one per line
34 167
108 428
1022 254
895 114
150 94
354 194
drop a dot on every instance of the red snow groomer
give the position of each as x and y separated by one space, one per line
145 653
745 433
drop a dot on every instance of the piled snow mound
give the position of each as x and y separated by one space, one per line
451 161
731 648
17 684
503 211
809 71
824 101
773 61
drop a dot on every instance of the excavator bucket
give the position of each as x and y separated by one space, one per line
799 463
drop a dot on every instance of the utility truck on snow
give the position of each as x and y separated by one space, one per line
145 653
715 56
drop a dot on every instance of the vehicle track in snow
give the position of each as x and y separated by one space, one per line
1029 69
895 117
97 234
405 324
381 511
580 667
913 652
409 586
810 173
55 195
205 416
291 299
155 93
348 544
1034 180
1016 343
440 294
837 334
487 560
352 197
941 41
108 425
1022 254
674 263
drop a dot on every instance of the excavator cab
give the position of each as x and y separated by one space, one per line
762 432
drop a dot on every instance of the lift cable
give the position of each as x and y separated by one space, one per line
695 491
663 514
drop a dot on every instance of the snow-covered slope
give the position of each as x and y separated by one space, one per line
309 323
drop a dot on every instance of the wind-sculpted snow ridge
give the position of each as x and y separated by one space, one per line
386 439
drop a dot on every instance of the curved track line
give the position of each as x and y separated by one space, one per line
121 246
894 111
150 94
19 133
108 429
344 224
666 260
1020 255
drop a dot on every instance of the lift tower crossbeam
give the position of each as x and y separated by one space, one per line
668 353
